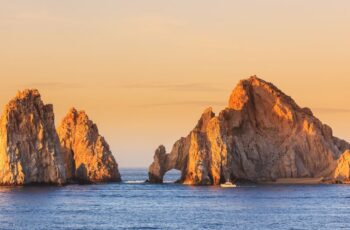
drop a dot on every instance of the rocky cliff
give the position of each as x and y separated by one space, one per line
32 152
262 136
29 145
87 155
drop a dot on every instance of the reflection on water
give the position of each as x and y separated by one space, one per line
134 204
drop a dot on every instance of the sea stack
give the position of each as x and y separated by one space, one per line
29 145
87 155
262 136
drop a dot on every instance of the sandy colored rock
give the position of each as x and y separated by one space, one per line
29 145
262 136
87 155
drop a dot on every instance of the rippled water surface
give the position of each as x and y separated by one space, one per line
135 205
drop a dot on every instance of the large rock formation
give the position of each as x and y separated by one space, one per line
29 145
262 136
86 153
31 151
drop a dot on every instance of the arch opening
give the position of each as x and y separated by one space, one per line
172 176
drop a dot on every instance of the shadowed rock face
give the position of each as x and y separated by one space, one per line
29 145
262 136
86 154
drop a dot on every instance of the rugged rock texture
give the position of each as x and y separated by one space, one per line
87 155
262 136
31 151
29 145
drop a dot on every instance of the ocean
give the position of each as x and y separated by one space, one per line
134 204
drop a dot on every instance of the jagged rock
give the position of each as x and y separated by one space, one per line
342 171
29 145
31 150
158 167
262 136
87 155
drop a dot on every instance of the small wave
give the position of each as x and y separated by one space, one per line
134 182
246 186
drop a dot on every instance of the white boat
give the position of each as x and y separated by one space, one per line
228 185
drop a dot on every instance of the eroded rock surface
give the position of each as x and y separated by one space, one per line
262 136
87 155
29 145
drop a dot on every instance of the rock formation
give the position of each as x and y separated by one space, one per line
31 151
262 136
29 145
87 155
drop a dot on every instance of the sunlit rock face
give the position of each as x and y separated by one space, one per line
86 154
262 136
29 144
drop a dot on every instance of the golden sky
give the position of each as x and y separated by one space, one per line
145 70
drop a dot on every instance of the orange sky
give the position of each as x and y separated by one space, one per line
145 70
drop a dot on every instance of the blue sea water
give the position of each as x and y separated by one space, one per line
133 204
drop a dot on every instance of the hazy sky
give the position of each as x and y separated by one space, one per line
145 70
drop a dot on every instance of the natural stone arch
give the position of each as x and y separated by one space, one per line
172 176
262 136
178 157
164 162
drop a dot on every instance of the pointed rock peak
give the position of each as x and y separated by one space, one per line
28 101
160 151
208 110
29 145
27 93
26 96
252 86
207 115
255 82
254 79
72 114
240 93
73 110
75 116
88 156
157 169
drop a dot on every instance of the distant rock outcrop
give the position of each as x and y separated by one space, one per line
262 136
29 145
87 155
